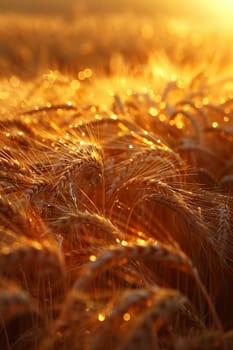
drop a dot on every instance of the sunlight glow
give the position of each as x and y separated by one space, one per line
214 125
92 258
227 4
221 11
101 317
126 317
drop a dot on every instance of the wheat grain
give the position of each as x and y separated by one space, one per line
223 234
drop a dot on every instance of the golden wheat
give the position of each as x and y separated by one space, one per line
116 209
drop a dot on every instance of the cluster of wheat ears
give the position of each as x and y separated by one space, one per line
116 213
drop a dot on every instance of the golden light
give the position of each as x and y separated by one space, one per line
207 13
126 317
214 125
101 317
221 11
92 258
220 4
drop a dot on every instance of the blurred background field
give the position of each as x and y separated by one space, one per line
213 12
71 36
65 7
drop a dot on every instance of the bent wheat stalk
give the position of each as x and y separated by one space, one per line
158 252
126 252
137 309
164 305
31 258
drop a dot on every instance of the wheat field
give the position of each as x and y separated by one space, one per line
116 178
